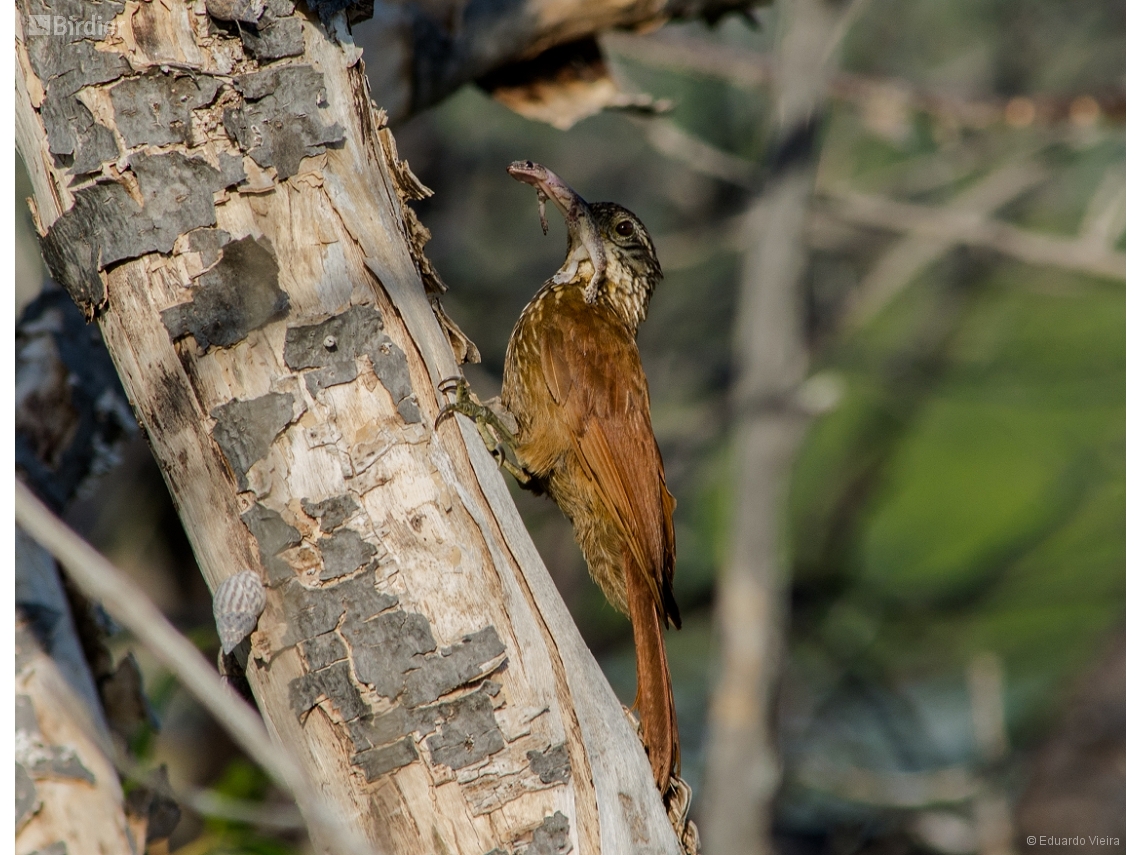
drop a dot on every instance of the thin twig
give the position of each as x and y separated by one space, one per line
127 604
751 70
966 228
910 790
210 803
985 680
701 157
901 263
1104 217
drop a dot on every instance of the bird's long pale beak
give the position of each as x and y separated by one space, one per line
579 221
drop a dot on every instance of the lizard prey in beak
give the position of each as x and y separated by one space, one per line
585 239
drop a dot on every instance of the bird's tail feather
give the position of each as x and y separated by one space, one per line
654 686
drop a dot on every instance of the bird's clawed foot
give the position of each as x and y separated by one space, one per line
678 799
495 435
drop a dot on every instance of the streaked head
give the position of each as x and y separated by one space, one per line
624 266
631 260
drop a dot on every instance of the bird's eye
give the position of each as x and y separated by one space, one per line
624 228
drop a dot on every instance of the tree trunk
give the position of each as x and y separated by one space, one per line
67 790
743 771
237 224
70 419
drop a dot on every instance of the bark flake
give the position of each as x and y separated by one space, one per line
236 296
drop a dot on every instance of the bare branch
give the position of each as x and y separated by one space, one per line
434 58
749 69
1104 217
102 581
698 155
985 680
210 803
946 227
890 789
901 263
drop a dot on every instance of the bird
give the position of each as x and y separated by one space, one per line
574 385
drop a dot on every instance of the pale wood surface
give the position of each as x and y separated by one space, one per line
61 742
449 545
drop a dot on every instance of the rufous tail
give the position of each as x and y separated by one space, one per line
654 687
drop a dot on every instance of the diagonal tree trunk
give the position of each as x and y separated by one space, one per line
227 203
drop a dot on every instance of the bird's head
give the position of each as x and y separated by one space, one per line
608 249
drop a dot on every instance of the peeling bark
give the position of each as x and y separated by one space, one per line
260 284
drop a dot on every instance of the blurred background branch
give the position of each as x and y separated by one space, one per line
771 361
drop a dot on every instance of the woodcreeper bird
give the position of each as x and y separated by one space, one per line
574 383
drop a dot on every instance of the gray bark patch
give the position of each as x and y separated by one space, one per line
274 38
232 167
550 838
371 731
65 62
376 762
335 683
75 139
327 351
391 367
208 243
395 653
383 647
551 765
69 60
106 225
273 535
344 553
246 11
245 429
311 613
156 108
178 195
434 676
279 123
27 801
460 732
468 731
57 848
236 296
61 762
323 650
331 512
